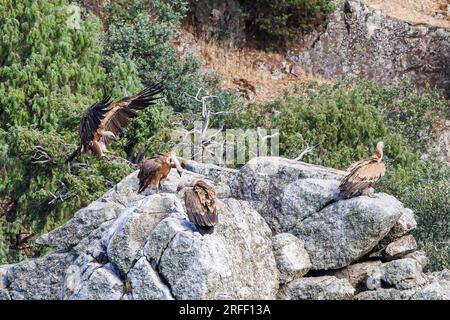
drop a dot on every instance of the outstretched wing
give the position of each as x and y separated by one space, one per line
92 118
361 178
197 212
124 110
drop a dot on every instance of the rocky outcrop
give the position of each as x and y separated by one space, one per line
363 43
404 280
401 247
304 200
437 289
317 288
292 259
283 233
357 273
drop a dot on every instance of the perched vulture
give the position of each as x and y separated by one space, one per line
154 170
362 175
104 121
201 206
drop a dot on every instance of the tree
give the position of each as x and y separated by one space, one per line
285 20
50 71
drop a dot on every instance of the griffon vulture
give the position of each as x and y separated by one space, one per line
362 175
201 206
104 121
154 170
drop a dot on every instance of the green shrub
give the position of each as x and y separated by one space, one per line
285 20
139 32
430 200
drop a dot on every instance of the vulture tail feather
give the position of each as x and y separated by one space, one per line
205 230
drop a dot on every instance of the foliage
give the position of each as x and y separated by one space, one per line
430 198
140 32
285 20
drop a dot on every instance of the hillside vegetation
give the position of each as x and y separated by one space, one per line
430 12
57 56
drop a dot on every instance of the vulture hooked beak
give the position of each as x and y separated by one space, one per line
177 164
379 149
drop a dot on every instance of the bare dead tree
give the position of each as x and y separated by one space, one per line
308 149
41 156
206 142
205 113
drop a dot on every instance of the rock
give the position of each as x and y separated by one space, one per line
317 288
346 230
356 274
146 284
304 197
91 218
38 279
4 295
162 235
291 257
175 184
385 294
3 276
235 262
405 224
125 192
419 256
129 246
400 274
434 291
263 180
400 247
129 232
403 274
438 287
373 279
220 175
443 275
103 284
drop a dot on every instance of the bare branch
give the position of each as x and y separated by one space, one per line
305 151
61 194
41 156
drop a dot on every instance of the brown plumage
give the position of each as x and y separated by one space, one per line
201 205
104 121
154 170
362 175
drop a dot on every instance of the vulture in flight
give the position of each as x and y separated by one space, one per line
362 175
156 169
104 121
201 206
